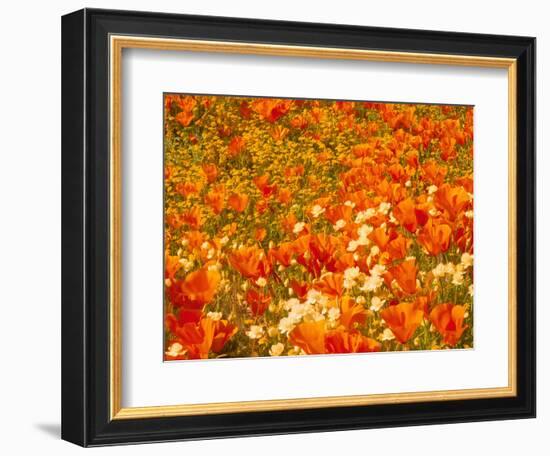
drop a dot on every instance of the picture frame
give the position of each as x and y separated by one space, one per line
92 237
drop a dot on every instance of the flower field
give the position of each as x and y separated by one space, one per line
300 227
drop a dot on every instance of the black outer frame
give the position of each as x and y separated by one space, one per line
85 227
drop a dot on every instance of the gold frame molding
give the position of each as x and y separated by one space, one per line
116 46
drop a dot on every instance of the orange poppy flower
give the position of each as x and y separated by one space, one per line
236 146
351 313
338 341
238 201
223 331
184 118
405 275
200 286
188 188
403 319
288 222
205 336
258 301
433 172
300 288
300 121
341 262
323 246
453 200
435 237
331 284
467 182
283 254
250 262
215 199
449 321
260 234
284 196
193 218
448 150
294 171
186 103
309 336
262 183
195 239
172 266
210 171
271 109
397 248
380 237
341 212
408 215
278 132
261 206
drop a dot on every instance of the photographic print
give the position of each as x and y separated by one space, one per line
310 227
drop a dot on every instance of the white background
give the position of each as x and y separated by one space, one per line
30 231
148 73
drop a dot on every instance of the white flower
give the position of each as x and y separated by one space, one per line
352 246
363 216
432 189
384 208
286 325
363 231
471 290
211 254
205 245
224 240
374 250
334 313
255 332
360 300
469 214
372 283
298 311
350 204
168 283
467 260
292 302
317 210
360 217
313 296
276 349
433 212
186 263
408 183
339 225
450 268
387 335
378 270
175 349
352 273
348 284
298 227
458 278
261 282
439 270
214 315
376 303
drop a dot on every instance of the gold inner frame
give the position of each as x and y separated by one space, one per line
117 44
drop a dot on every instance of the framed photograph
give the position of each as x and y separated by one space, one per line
278 227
